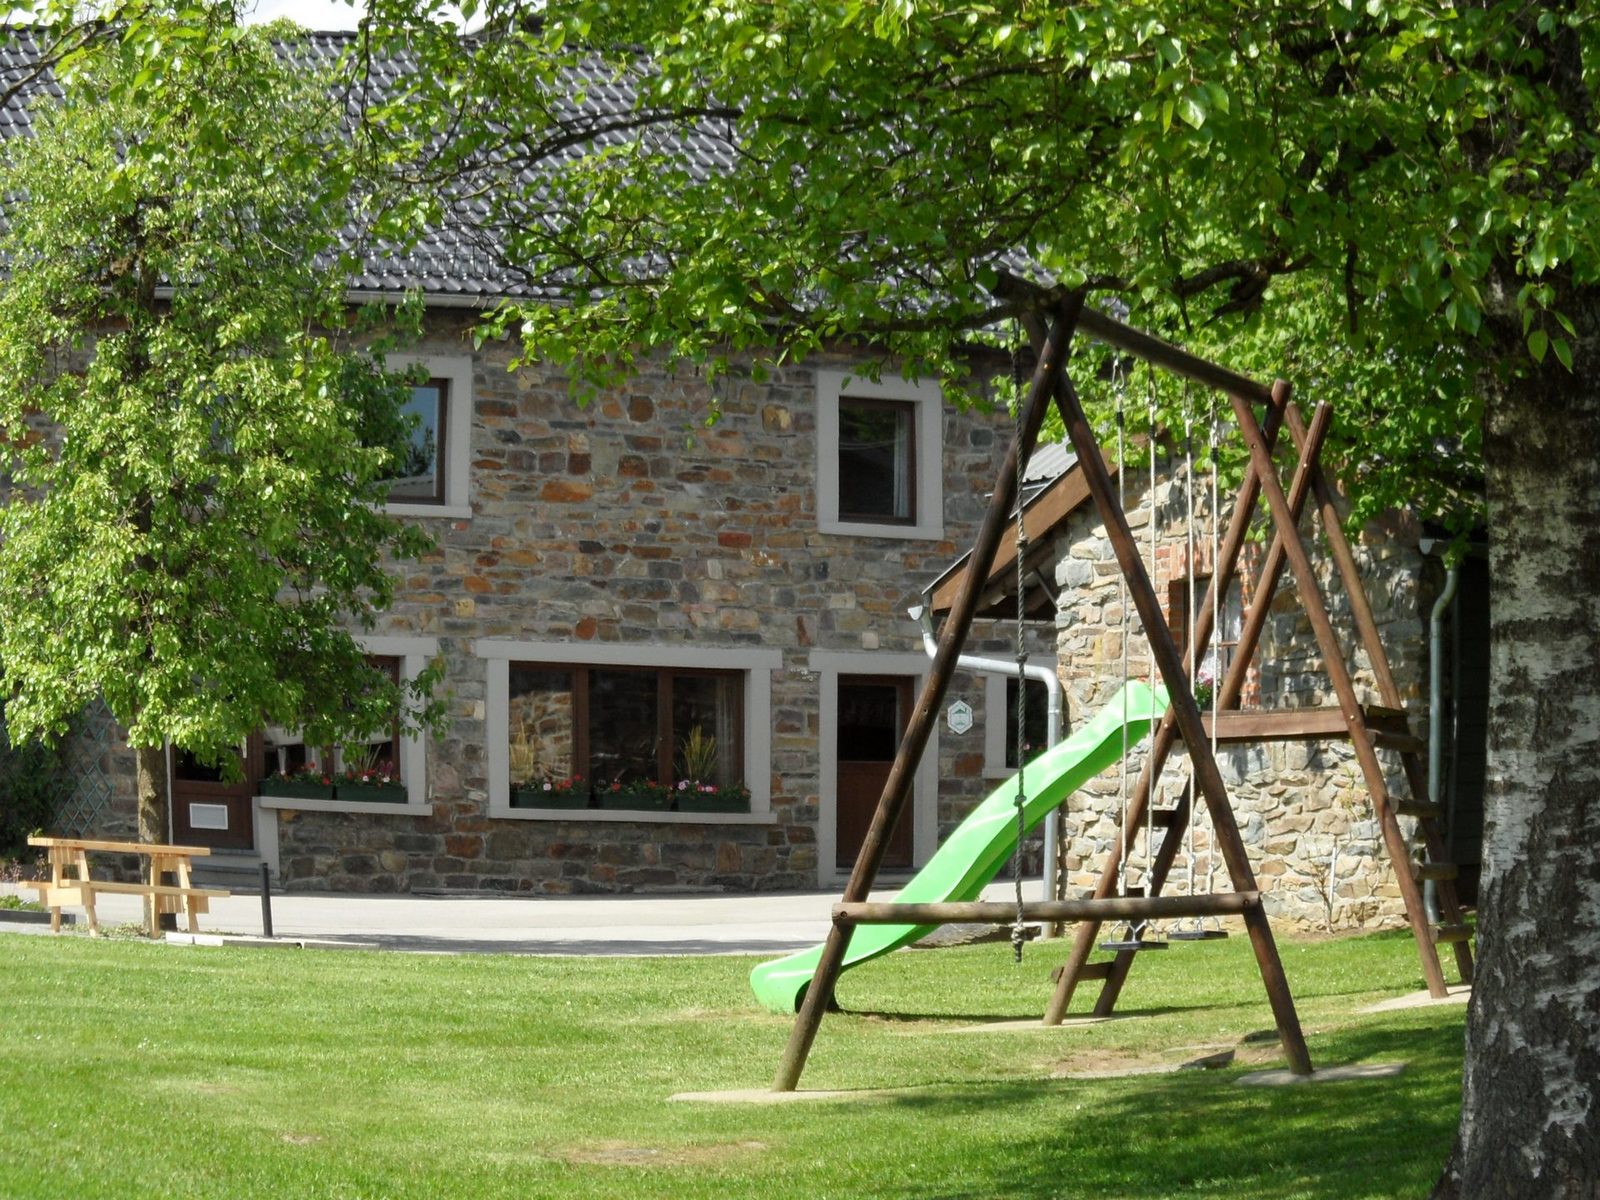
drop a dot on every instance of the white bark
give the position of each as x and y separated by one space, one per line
1530 1122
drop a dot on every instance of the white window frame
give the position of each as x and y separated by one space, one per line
757 665
832 386
414 653
994 721
456 371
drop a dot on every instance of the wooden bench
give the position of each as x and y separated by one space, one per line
71 883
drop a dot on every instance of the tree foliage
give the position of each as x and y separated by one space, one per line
196 447
1409 185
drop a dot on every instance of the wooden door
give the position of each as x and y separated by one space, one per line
208 812
873 711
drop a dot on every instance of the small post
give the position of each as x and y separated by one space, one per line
266 902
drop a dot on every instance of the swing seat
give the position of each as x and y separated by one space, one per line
1196 935
1132 944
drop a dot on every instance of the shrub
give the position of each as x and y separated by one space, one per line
33 784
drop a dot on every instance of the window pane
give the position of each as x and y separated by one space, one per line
870 722
1037 729
419 478
623 726
876 440
381 751
705 729
544 725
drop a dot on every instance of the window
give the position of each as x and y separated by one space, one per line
286 751
568 726
420 478
381 751
621 725
434 480
1000 721
1230 623
1036 731
879 457
877 460
403 658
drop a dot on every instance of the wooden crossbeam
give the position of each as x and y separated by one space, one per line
1294 724
998 912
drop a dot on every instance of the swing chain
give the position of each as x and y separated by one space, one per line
1018 926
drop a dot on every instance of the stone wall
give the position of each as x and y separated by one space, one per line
1302 807
630 522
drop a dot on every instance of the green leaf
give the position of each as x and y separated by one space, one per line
1538 343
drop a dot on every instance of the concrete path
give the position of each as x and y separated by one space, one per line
619 925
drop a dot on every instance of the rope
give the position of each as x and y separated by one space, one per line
1019 926
1122 605
1150 789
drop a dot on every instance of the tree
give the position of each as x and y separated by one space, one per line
196 448
1393 201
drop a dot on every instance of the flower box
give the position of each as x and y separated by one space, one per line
295 789
637 800
538 797
690 800
371 793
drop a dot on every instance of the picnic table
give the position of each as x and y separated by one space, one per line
70 881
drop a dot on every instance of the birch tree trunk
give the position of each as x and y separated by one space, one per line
1530 1119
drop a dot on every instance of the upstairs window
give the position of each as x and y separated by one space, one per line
880 457
433 480
420 477
877 460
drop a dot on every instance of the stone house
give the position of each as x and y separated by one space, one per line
608 583
615 590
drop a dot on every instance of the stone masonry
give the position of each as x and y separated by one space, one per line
630 522
1302 807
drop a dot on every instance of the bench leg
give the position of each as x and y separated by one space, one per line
81 859
190 908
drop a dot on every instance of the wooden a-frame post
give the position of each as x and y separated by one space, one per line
896 790
1186 713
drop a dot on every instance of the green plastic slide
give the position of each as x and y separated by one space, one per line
979 847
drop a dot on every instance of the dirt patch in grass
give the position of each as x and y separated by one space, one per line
1112 1064
301 1139
621 1154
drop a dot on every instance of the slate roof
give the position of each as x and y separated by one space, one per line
457 262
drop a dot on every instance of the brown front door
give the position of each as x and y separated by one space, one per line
873 710
208 812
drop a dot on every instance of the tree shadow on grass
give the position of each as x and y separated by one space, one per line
1152 1137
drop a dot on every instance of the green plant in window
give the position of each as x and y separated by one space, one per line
698 755
524 759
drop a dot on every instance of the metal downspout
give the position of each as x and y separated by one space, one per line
1452 579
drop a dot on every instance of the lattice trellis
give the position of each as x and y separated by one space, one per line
84 754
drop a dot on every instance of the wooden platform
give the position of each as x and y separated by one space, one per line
1389 726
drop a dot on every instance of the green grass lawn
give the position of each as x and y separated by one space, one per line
138 1070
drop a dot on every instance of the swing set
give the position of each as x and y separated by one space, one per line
1136 913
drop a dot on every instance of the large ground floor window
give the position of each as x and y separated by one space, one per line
625 727
633 729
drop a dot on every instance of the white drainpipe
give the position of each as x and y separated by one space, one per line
1053 723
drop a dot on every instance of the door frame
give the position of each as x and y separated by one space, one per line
829 666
